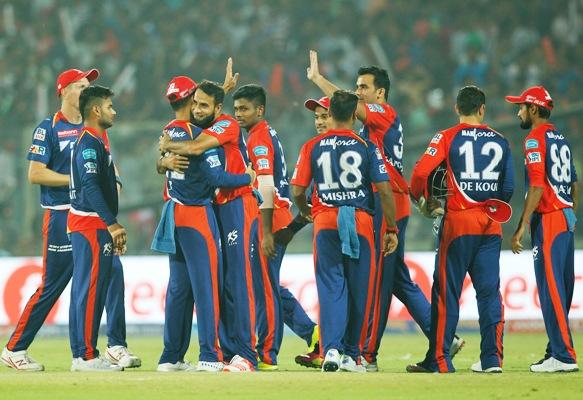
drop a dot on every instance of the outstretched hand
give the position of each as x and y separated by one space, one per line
313 71
231 80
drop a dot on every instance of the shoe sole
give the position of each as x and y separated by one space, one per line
566 371
330 366
9 364
462 344
307 364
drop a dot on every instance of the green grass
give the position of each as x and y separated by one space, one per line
296 382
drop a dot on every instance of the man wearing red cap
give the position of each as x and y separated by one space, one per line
479 168
195 254
50 162
382 126
549 206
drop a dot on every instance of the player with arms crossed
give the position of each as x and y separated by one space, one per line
50 164
382 126
549 208
479 169
343 167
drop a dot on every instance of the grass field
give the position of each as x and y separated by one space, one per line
296 382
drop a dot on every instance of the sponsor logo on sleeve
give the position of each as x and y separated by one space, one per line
260 151
382 169
437 138
89 154
40 134
378 153
534 157
262 164
375 108
432 151
213 161
220 126
531 144
36 149
90 168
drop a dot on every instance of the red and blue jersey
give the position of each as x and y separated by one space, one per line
266 153
549 164
382 126
93 187
343 167
197 184
52 142
227 131
479 166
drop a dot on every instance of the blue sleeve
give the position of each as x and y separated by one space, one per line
89 158
573 171
42 143
216 175
376 166
508 177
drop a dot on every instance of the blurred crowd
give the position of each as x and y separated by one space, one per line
430 49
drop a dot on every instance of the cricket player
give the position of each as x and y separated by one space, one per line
479 168
343 167
50 162
236 210
382 126
549 213
196 263
96 235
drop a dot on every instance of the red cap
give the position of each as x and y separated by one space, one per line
536 95
73 75
498 210
179 88
323 102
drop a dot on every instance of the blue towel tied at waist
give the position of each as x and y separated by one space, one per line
571 218
163 241
347 232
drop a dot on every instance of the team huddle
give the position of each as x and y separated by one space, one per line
227 220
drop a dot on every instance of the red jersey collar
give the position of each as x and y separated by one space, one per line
261 125
95 133
466 125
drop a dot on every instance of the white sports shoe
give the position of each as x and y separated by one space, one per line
477 367
239 364
210 366
94 365
20 361
551 364
348 364
456 346
178 366
331 361
120 355
370 367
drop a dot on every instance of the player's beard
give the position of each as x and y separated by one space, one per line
104 124
205 122
526 123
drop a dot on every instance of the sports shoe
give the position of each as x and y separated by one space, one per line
311 359
331 361
477 367
20 361
551 364
370 366
239 364
120 355
178 366
456 346
315 340
348 364
209 366
542 360
263 366
98 364
417 368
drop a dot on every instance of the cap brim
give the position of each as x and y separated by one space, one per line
311 105
91 75
514 99
498 210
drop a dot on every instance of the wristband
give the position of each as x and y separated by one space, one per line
392 229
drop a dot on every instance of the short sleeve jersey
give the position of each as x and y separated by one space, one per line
52 142
549 164
342 166
266 154
479 166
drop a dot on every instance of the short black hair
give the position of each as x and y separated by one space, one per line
91 96
213 89
469 100
177 105
343 105
251 92
381 77
543 112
